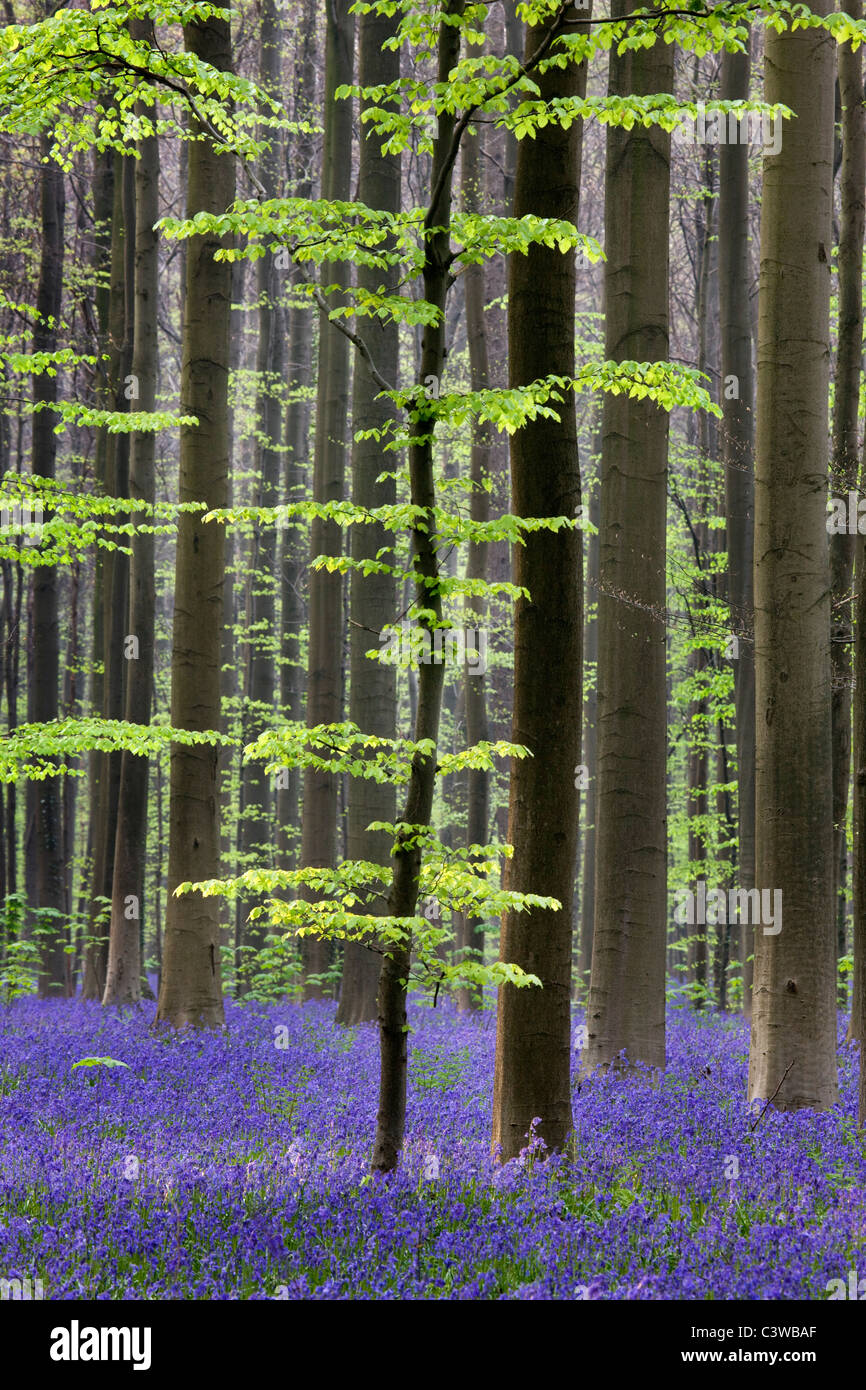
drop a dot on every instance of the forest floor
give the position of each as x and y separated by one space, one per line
235 1165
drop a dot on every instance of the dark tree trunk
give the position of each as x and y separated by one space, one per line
124 973
115 595
844 462
533 1042
191 984
325 651
470 930
258 791
54 971
372 684
418 806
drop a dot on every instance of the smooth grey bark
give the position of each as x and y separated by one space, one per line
626 1008
793 1044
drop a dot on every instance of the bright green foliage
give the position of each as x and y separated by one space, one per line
37 751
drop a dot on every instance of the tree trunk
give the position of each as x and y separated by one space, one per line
844 467
124 974
115 594
258 791
626 1009
54 972
295 542
470 930
590 738
372 684
738 436
418 806
191 985
325 649
793 1046
533 1037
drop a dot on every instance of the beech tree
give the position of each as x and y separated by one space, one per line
124 968
738 433
844 466
191 986
325 650
793 1045
625 1010
533 1038
44 673
259 676
373 598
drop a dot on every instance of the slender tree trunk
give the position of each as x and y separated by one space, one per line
858 1002
295 542
793 1045
533 1037
844 467
54 972
418 806
372 684
470 930
258 794
626 1010
103 204
13 587
697 776
590 741
115 594
124 973
191 984
738 436
325 650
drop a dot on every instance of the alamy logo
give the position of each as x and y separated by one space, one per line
75 1343
21 1290
411 643
23 521
846 518
713 907
855 1290
720 128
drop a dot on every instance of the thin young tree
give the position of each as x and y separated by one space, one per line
469 936
294 547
